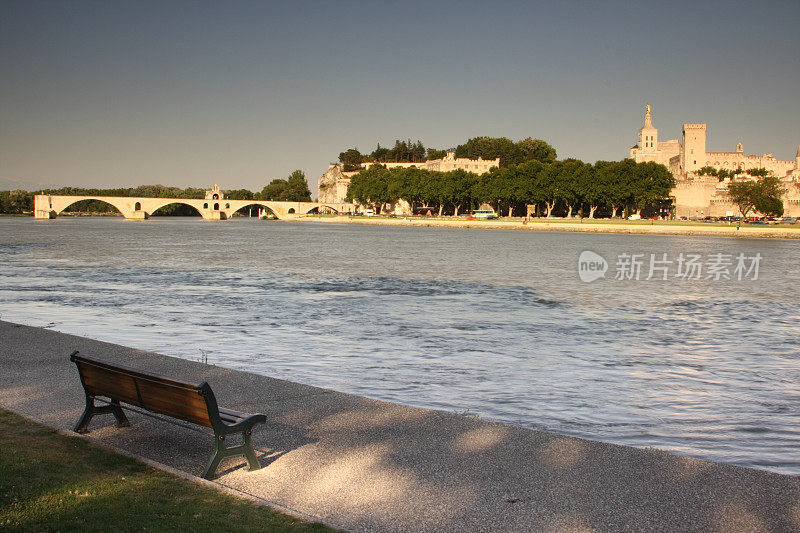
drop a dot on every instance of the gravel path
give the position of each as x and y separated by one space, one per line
367 465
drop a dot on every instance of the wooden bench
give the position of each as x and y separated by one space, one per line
191 403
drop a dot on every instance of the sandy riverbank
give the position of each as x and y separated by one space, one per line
637 228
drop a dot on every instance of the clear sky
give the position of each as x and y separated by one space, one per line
110 93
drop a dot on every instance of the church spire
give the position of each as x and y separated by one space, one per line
648 120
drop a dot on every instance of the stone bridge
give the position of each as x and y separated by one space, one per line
47 206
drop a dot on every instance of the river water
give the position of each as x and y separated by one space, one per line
493 323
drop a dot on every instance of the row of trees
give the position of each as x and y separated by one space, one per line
402 152
722 173
567 187
510 152
20 201
294 188
16 201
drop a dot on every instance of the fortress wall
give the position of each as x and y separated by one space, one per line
708 197
693 198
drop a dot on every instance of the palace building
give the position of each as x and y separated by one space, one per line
696 195
334 183
687 157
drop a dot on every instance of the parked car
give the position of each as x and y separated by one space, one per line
789 220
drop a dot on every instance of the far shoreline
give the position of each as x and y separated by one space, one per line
619 226
655 227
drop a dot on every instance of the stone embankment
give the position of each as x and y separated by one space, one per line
368 465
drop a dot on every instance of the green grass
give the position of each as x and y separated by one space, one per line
51 482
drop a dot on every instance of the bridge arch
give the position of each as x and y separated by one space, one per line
154 204
334 208
119 208
185 210
245 209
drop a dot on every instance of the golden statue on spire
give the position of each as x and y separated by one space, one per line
648 109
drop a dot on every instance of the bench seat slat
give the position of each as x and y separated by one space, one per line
172 395
177 410
84 361
124 387
232 415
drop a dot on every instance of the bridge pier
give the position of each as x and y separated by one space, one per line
44 214
214 215
43 207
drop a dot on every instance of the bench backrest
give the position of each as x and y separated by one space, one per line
158 394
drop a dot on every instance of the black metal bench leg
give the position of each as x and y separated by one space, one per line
119 414
249 453
91 410
219 454
86 417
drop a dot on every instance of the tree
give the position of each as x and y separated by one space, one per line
436 189
379 155
292 189
16 201
770 206
651 183
764 196
275 190
619 188
435 154
707 171
371 186
568 183
758 172
297 187
509 152
236 194
489 148
351 159
408 184
536 150
547 185
461 183
589 188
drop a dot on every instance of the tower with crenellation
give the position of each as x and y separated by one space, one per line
694 147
